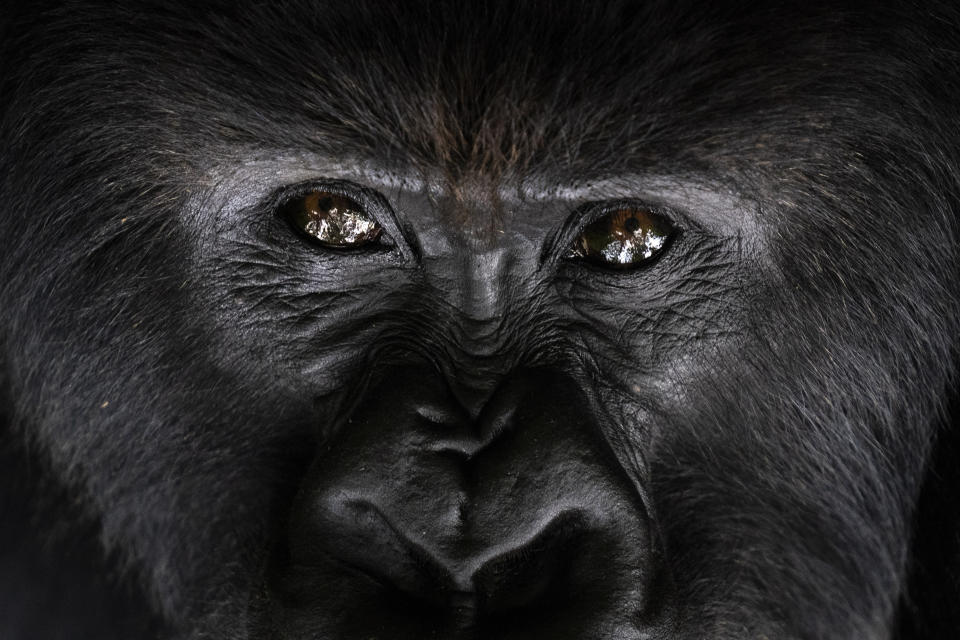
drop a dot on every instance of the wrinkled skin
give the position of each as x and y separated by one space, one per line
214 427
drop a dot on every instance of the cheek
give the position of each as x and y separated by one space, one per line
291 315
644 326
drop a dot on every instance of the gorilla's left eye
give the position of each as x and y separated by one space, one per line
624 237
331 219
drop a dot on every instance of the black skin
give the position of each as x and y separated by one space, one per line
213 427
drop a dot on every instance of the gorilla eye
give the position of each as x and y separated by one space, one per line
331 219
625 237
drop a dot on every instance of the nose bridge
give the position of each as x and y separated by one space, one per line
481 342
484 277
480 270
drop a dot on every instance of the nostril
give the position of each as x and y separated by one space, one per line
447 430
441 415
473 416
471 398
539 571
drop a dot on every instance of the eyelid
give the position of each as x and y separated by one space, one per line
594 211
338 186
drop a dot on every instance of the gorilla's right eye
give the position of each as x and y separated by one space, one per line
331 219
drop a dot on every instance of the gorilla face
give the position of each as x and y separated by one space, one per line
466 477
482 322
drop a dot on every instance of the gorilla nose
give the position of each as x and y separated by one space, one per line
466 522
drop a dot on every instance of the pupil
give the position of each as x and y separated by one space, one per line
325 203
631 224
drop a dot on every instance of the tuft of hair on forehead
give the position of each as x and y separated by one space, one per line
476 92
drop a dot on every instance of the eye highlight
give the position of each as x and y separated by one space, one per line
625 237
331 219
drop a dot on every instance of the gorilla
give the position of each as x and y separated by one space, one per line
467 320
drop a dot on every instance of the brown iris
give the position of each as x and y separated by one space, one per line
331 219
625 237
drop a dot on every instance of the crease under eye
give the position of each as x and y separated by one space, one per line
332 220
625 237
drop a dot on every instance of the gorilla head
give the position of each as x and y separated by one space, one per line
559 320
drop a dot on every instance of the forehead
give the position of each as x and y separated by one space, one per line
471 91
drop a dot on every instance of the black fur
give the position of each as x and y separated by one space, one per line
802 470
